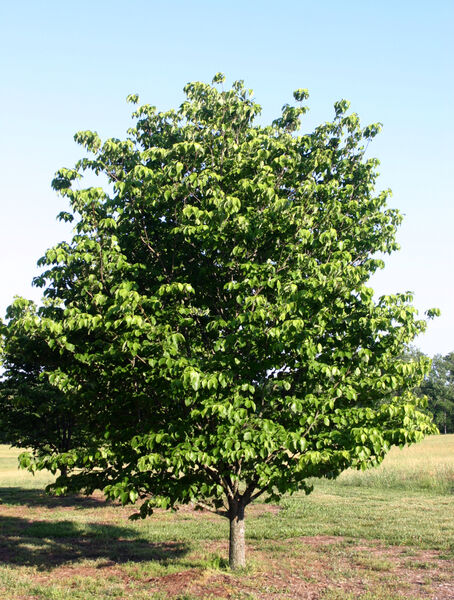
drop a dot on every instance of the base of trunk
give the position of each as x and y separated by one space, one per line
237 545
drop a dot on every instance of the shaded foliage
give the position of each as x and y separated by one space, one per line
33 413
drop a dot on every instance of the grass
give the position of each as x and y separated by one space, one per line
385 534
427 466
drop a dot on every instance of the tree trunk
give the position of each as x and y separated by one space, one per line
237 545
63 471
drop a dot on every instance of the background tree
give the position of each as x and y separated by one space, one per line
214 302
33 413
438 386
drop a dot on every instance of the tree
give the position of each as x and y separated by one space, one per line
33 413
214 301
439 388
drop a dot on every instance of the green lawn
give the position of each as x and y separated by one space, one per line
384 534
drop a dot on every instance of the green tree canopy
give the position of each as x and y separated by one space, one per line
224 343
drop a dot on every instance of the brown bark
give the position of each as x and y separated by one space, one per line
237 544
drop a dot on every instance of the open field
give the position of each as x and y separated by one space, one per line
380 535
426 466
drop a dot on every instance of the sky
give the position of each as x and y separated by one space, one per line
68 66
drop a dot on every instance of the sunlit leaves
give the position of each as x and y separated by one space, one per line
214 304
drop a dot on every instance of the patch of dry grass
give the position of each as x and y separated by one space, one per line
428 466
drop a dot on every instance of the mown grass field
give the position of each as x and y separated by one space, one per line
383 534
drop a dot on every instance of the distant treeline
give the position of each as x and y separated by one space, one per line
438 386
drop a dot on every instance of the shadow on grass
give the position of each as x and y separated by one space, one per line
18 496
49 544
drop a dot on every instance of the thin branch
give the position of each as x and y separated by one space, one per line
216 511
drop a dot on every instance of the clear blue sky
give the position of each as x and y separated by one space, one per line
67 66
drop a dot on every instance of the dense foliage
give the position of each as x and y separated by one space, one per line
214 312
33 413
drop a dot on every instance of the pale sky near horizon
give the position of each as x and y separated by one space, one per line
69 66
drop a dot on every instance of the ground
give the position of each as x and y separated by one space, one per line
343 542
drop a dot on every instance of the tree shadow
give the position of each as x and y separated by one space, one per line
33 497
50 544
